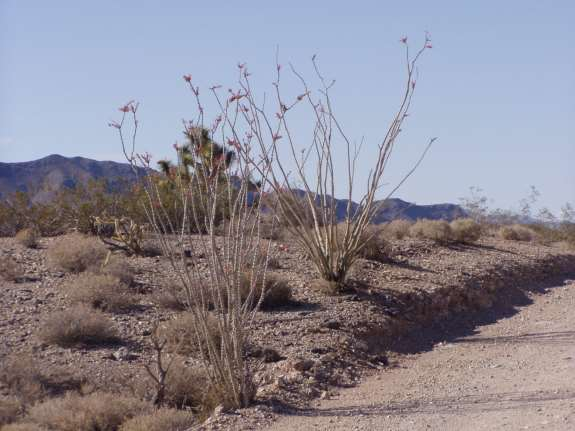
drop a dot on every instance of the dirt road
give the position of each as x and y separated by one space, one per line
516 372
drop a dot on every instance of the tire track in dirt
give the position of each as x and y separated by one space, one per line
516 373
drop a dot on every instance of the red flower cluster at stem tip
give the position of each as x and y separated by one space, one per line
187 78
403 39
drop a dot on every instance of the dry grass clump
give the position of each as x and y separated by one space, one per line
78 325
516 232
330 288
180 335
10 409
28 237
375 246
435 230
263 254
275 289
115 266
10 270
188 386
170 299
98 411
23 378
397 229
465 230
161 420
76 253
23 427
101 291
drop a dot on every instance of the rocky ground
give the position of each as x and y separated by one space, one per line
323 342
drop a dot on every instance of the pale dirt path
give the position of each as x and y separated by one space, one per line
515 374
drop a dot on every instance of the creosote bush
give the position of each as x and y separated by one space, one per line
435 230
10 270
465 230
76 253
98 411
78 325
397 229
101 291
28 237
516 232
163 419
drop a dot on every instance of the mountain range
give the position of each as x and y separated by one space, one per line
43 178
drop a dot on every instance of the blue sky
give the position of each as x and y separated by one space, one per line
498 87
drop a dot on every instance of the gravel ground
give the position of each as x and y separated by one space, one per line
323 342
516 373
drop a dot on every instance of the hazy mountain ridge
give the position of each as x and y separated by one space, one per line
45 177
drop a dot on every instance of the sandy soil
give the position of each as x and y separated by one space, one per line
514 371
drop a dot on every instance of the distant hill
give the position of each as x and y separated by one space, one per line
395 208
43 178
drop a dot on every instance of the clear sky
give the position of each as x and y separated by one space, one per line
498 87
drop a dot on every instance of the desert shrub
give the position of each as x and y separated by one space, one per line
435 230
276 290
115 266
28 237
76 253
101 291
329 288
516 232
170 299
296 209
164 419
269 228
188 386
10 410
397 229
98 411
10 270
272 260
78 325
180 335
375 246
465 230
24 379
